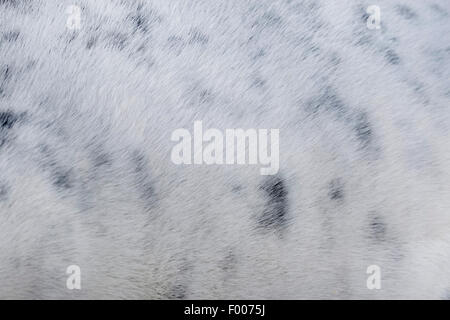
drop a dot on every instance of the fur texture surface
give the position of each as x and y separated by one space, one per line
86 179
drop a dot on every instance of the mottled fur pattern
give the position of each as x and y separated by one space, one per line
86 178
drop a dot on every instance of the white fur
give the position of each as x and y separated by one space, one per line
141 227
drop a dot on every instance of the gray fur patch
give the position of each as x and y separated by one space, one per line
275 213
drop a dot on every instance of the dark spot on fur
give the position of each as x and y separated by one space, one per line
5 76
199 95
362 38
71 36
258 82
336 191
363 130
364 17
377 228
8 119
142 19
195 36
177 283
6 73
101 159
91 42
275 213
4 190
335 59
177 292
63 179
260 53
176 44
268 19
143 177
117 40
12 3
392 57
228 263
10 36
205 96
140 22
328 101
236 188
406 12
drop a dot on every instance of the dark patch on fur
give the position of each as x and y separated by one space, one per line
12 3
260 53
4 190
91 42
392 57
117 40
236 188
362 38
199 95
406 12
328 101
364 17
335 59
6 73
140 22
177 285
196 36
205 96
363 130
143 178
177 292
268 19
336 190
176 44
275 212
8 119
10 36
142 19
259 82
377 228
228 263
5 76
101 159
63 179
